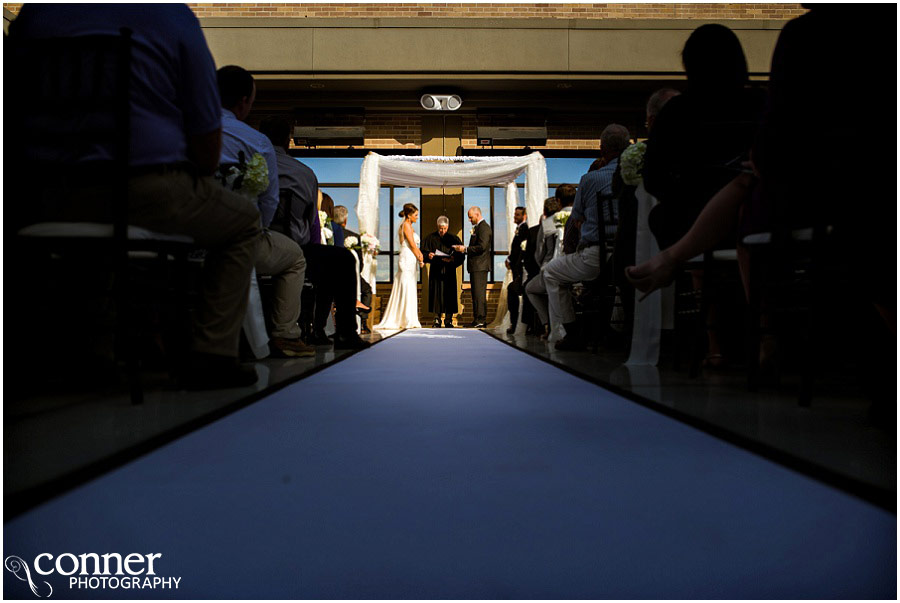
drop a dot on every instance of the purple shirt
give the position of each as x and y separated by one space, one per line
173 85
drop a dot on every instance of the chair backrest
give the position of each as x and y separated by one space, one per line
282 220
70 120
608 217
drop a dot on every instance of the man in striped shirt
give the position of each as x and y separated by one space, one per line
588 260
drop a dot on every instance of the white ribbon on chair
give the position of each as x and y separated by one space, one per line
648 313
501 319
254 324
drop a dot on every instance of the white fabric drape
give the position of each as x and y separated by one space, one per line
450 172
648 313
501 319
254 324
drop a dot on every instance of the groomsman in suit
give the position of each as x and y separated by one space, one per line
514 263
480 256
532 271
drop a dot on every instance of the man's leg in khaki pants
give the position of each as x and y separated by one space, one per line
281 258
224 223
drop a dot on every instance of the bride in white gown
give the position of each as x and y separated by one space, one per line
402 310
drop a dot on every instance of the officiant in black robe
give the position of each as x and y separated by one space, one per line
442 275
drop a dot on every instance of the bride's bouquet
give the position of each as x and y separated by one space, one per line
249 178
351 242
631 163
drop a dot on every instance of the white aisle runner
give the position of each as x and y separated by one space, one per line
472 471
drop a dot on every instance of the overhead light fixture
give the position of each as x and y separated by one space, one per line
440 102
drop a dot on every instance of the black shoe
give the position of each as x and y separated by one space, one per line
290 348
571 344
437 323
365 330
479 325
350 342
511 330
211 371
319 338
448 324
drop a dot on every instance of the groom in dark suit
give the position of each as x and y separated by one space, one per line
514 263
480 256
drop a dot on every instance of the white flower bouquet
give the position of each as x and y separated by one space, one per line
249 178
351 242
631 163
561 217
524 245
369 243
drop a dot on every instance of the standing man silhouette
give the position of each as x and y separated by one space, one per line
479 252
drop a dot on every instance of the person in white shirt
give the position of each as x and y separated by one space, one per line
277 255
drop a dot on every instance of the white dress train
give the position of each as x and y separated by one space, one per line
402 310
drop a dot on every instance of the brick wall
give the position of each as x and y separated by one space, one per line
494 10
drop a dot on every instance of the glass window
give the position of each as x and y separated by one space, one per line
331 170
384 219
561 170
348 197
383 271
402 196
474 197
500 268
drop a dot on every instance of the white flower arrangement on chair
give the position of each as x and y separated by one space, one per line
369 243
249 178
631 163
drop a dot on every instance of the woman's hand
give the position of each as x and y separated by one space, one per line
431 256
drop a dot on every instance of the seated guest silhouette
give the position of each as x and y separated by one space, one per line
331 269
276 255
364 304
176 127
590 256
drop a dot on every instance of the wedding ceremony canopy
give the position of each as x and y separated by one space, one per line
453 172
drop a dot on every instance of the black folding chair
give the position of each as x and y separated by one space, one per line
69 123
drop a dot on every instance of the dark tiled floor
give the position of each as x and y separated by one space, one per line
48 437
837 432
